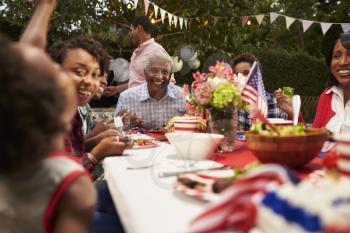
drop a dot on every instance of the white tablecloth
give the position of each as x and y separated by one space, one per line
146 203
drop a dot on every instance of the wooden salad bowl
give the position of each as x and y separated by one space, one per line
291 151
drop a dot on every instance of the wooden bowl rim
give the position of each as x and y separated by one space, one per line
309 132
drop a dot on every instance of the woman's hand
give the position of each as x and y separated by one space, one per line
109 146
283 102
130 120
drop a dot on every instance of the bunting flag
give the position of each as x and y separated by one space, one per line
306 24
155 10
325 27
289 21
135 3
146 6
260 18
175 21
345 27
244 20
215 20
273 16
162 14
181 21
170 18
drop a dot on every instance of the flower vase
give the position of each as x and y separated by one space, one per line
224 121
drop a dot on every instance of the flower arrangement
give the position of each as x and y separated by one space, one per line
217 94
214 91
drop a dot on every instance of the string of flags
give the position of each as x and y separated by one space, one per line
172 19
325 26
183 22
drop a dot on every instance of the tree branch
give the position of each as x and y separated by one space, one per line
160 37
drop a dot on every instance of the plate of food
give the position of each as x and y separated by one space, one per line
142 143
208 185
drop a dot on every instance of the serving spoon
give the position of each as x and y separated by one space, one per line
296 102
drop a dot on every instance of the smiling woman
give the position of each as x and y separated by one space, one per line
333 110
86 60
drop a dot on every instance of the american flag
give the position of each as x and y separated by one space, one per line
237 208
254 91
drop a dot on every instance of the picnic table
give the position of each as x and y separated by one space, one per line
147 203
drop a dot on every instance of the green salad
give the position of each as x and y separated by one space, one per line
291 130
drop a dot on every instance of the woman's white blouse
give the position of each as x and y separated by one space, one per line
340 122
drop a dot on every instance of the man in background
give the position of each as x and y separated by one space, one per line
141 29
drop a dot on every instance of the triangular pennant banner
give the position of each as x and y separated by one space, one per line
345 27
260 18
146 6
273 16
170 17
162 14
175 21
181 21
135 3
186 22
325 27
244 20
306 24
155 10
215 20
289 21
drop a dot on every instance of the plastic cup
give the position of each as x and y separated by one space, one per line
288 91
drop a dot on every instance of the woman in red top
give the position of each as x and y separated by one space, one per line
333 109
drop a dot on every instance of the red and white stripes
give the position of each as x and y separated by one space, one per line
236 210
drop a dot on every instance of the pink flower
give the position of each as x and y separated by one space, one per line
186 89
222 69
203 93
197 80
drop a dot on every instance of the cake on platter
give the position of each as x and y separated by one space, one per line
187 123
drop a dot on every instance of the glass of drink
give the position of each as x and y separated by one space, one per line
288 91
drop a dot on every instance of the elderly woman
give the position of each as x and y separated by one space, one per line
333 109
157 100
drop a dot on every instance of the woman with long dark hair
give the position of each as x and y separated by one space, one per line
333 109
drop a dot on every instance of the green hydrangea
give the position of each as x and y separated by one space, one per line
225 94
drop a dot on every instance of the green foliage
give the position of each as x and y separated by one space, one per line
297 69
214 30
306 74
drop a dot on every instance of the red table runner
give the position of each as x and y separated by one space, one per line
242 156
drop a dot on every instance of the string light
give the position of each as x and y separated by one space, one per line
248 23
153 21
128 6
205 22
